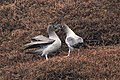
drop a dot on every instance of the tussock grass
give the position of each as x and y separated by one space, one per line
98 22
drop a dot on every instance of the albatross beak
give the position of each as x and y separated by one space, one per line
59 27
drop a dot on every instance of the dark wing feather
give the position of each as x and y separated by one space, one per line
38 44
37 52
77 45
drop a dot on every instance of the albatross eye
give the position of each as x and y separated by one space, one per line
53 26
50 26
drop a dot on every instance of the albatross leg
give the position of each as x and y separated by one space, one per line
69 52
70 49
78 52
46 57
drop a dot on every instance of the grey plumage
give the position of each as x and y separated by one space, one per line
75 43
38 52
72 40
41 38
38 44
45 45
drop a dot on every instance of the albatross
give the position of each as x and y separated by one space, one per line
45 45
72 40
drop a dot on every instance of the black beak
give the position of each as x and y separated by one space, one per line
58 27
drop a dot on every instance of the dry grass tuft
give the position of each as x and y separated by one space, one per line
97 21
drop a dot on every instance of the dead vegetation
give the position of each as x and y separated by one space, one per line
97 21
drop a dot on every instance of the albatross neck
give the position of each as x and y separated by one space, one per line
68 31
52 35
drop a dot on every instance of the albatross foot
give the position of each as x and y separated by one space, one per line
67 56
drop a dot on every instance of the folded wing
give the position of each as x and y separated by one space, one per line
41 38
75 43
38 52
38 44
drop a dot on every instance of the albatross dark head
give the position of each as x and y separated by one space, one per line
59 27
52 28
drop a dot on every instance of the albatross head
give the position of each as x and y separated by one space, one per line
59 27
50 28
53 28
64 27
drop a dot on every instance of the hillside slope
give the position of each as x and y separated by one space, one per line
94 20
91 64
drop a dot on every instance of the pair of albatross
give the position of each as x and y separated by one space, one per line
53 43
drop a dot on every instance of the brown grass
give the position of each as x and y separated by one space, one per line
97 63
97 21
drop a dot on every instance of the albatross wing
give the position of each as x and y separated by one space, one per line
41 38
38 44
74 42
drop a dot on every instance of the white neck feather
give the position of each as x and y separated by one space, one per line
68 31
54 36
